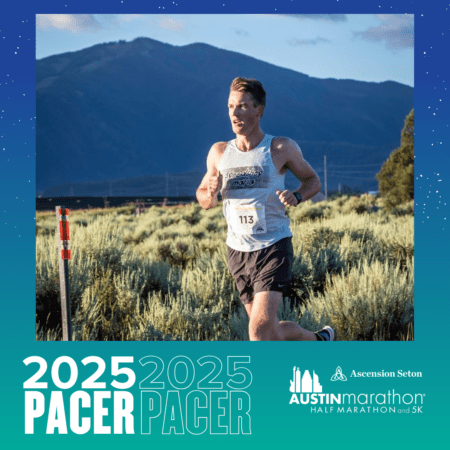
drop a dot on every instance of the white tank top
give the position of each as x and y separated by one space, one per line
255 216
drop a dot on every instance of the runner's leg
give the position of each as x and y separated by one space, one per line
248 309
264 324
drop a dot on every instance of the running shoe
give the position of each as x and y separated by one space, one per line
325 334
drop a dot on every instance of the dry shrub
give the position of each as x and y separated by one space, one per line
310 269
369 303
164 275
109 313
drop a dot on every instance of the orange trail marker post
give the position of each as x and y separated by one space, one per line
62 223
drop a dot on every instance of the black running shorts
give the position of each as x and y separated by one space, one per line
268 269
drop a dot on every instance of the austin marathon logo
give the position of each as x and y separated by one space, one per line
305 383
306 389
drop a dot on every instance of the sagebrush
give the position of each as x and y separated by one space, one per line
163 275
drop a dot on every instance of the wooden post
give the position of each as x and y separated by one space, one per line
62 223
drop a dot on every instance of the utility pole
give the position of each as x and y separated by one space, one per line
167 184
339 187
325 170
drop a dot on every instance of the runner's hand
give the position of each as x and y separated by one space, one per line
287 197
215 184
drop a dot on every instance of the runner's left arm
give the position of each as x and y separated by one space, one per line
301 169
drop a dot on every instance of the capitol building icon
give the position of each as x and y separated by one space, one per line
306 384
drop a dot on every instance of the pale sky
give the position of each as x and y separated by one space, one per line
351 46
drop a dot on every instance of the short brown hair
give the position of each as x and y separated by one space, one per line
253 87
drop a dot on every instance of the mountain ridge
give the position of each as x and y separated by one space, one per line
127 109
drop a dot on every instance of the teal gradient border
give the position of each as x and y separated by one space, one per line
274 421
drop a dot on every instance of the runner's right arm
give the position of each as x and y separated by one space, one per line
212 181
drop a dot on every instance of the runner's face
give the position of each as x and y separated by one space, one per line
244 116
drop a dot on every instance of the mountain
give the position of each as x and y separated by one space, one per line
130 109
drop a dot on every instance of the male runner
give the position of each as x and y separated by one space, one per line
249 172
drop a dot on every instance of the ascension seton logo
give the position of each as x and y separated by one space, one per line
338 376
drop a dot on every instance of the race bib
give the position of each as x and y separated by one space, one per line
247 219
